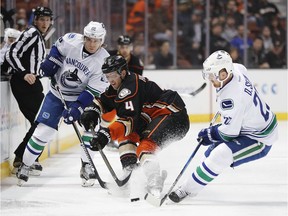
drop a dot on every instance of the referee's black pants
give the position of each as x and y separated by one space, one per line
29 99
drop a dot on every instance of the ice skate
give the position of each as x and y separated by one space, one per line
22 174
87 175
35 169
155 183
179 194
16 164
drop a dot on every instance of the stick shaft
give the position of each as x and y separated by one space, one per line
101 182
188 162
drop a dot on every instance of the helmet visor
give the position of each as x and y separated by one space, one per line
210 76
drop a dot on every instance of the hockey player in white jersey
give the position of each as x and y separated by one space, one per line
74 64
248 126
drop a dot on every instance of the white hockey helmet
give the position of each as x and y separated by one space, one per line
10 32
216 62
95 30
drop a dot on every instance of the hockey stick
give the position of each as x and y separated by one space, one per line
49 33
101 182
158 202
199 89
196 91
119 182
51 30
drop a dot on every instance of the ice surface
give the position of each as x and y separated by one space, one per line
255 189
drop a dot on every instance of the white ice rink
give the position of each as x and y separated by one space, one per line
255 189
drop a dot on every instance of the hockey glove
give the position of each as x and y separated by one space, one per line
73 113
90 117
52 63
101 139
209 136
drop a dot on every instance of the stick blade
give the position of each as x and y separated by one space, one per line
199 90
155 201
122 182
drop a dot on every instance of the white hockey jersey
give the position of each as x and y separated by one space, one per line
243 112
79 71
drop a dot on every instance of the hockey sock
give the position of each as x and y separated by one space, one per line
219 159
33 150
36 144
87 136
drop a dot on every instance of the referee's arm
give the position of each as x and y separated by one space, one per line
29 49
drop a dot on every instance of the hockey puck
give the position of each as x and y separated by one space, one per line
135 199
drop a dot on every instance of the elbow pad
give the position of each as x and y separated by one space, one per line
85 98
52 62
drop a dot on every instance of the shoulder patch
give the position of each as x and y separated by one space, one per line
71 35
123 93
227 104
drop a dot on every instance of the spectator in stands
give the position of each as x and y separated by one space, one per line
21 19
267 39
236 58
183 14
268 11
192 39
7 16
277 57
238 41
217 42
277 31
125 48
256 55
161 22
230 29
136 18
232 10
163 58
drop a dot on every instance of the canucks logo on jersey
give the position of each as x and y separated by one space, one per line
70 79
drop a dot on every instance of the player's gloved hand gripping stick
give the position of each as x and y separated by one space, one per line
159 201
90 118
119 182
101 182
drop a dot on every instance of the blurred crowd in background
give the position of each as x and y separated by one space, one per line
170 34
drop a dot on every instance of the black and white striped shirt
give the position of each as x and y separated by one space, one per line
27 53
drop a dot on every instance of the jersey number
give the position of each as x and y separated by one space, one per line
264 113
129 105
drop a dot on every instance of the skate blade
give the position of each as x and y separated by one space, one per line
154 200
20 182
156 193
88 183
34 172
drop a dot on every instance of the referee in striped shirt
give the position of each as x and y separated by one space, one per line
25 57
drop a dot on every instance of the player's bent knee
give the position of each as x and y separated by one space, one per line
220 158
266 150
44 132
146 147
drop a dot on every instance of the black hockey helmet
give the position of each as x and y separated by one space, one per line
114 63
43 11
124 40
